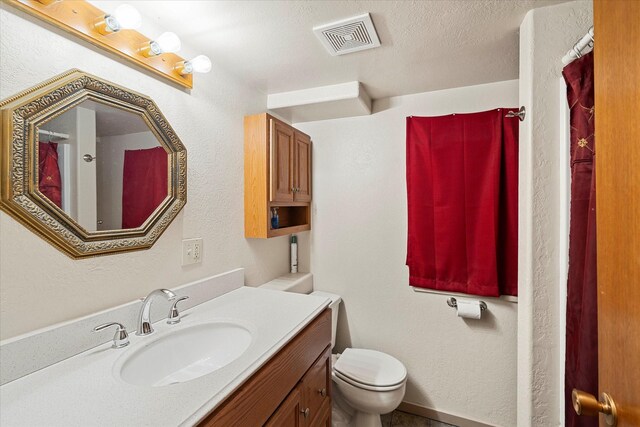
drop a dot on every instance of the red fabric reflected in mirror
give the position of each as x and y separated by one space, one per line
50 183
144 184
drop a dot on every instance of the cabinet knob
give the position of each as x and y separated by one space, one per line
305 412
323 392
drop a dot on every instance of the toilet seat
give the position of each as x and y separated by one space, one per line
370 370
339 376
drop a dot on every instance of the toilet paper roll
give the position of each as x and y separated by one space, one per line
469 309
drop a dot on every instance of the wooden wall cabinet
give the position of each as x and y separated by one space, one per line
277 174
293 389
302 172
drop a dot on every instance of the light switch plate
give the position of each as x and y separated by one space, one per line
191 251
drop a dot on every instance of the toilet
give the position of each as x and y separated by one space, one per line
366 383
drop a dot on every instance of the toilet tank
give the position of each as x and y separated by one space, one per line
334 306
300 283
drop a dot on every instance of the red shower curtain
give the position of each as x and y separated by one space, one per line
50 183
462 193
144 184
581 364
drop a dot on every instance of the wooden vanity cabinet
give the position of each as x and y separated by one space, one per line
289 414
292 389
309 403
316 387
277 174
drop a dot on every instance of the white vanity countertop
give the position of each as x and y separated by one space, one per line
84 390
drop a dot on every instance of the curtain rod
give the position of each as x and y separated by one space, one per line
578 49
51 134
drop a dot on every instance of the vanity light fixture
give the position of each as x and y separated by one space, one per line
125 17
166 42
103 29
199 64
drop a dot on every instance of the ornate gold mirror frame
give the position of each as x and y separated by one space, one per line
21 198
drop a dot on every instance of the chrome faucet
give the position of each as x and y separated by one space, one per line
144 325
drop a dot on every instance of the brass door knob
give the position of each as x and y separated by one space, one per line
587 404
323 392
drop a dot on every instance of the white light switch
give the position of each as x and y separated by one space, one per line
191 251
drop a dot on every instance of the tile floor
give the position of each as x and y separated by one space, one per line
403 419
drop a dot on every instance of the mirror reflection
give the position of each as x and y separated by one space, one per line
103 166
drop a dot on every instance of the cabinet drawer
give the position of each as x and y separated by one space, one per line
316 385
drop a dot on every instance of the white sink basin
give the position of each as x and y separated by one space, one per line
184 354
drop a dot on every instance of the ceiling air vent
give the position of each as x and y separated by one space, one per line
348 35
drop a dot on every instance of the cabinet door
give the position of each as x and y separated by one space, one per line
289 413
302 181
324 416
282 147
316 389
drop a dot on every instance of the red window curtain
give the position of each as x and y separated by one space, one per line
462 193
50 183
581 363
144 184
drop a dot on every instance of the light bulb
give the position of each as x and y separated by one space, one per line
168 42
128 17
200 64
124 17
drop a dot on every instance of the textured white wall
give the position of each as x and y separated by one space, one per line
545 36
40 286
358 250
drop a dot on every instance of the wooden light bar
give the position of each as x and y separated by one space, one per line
78 17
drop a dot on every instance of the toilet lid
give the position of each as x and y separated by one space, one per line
338 376
370 367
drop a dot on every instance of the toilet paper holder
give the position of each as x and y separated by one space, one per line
451 302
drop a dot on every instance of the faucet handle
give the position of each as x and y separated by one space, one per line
121 337
174 315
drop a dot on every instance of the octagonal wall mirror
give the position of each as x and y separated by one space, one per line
90 166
